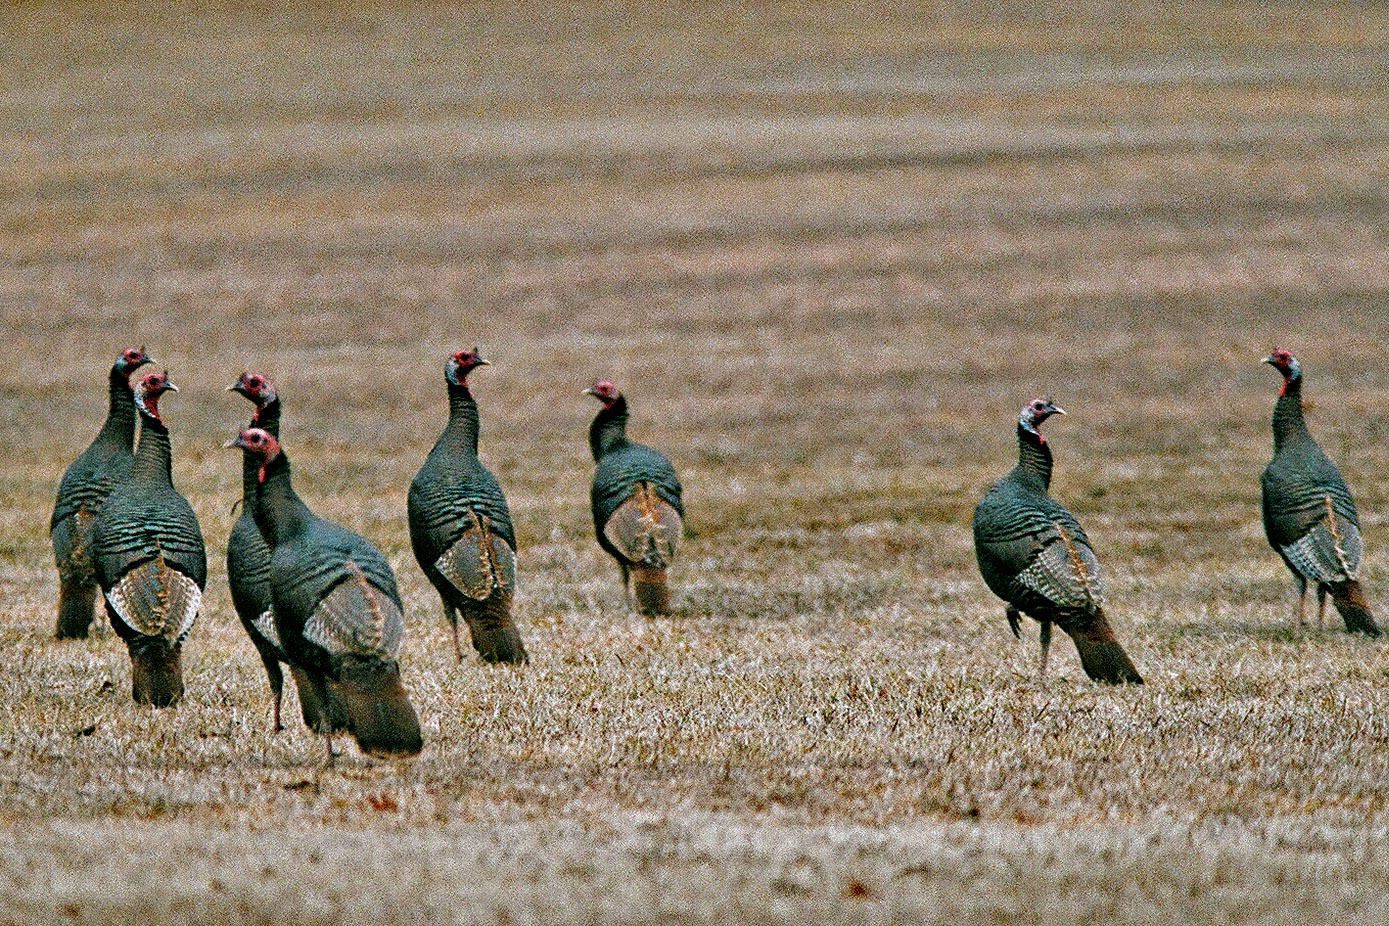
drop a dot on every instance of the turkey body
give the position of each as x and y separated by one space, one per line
1034 555
461 533
83 490
1310 518
338 616
248 576
152 566
638 511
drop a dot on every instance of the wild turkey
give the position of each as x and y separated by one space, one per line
248 561
460 527
149 557
637 510
1309 515
83 490
337 611
1035 556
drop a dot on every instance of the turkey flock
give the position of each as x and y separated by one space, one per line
321 600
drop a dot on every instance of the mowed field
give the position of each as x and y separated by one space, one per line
828 256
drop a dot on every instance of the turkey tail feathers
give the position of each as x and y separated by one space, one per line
76 608
1103 659
310 700
76 578
482 568
1107 662
156 671
1349 598
502 645
495 635
376 708
651 591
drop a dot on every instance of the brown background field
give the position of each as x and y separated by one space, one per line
828 255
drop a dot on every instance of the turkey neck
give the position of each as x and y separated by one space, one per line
267 418
278 510
153 460
462 430
609 428
120 419
1034 459
1287 414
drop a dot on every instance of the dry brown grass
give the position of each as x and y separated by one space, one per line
828 256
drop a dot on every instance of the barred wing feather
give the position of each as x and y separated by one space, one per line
1065 571
155 599
478 561
357 618
645 528
1328 553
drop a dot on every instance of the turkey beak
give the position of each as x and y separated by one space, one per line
1057 410
483 363
1268 360
591 391
170 387
234 442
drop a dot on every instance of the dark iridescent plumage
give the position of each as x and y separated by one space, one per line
149 557
85 485
248 564
337 611
1035 556
460 528
1309 515
636 498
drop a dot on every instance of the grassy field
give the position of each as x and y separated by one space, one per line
828 256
